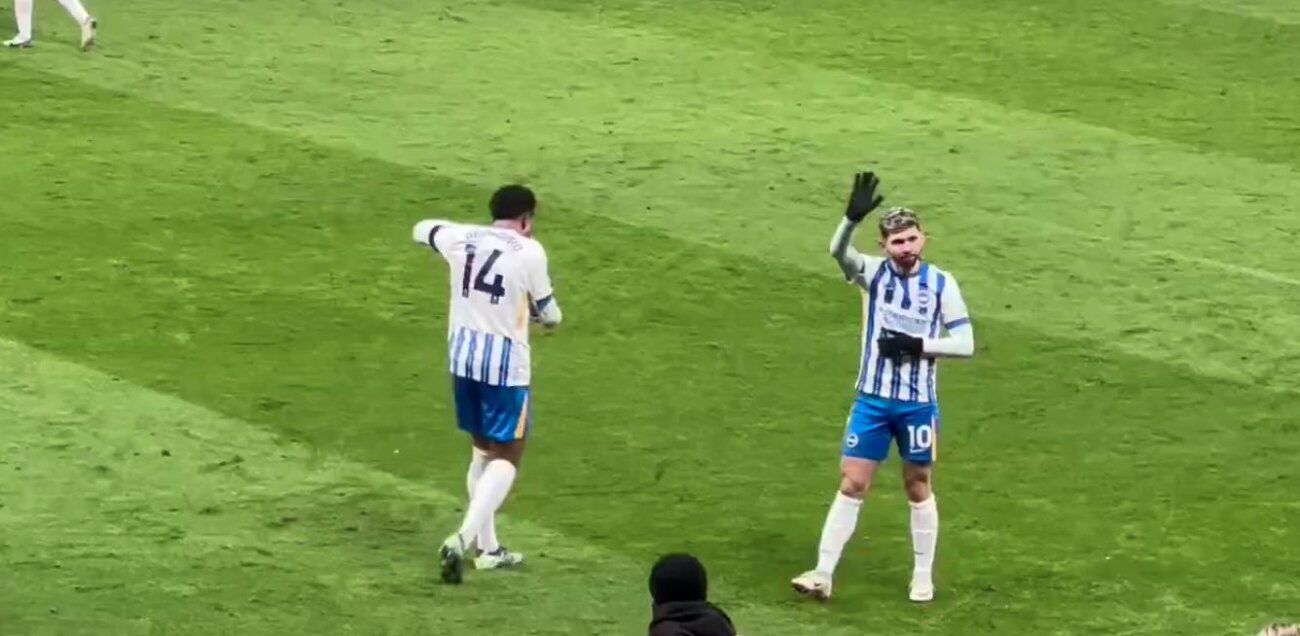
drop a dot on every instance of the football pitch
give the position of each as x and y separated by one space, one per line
223 402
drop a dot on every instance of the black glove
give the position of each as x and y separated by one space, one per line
895 345
863 199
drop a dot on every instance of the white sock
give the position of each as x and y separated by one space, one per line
487 537
23 15
840 523
477 462
490 493
925 536
75 9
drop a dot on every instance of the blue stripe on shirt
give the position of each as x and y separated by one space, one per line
895 377
869 346
914 382
907 292
486 367
923 289
878 386
931 365
460 343
504 374
957 323
938 306
469 356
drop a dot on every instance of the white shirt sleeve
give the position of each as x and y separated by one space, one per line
540 290
858 268
960 340
851 262
435 233
539 275
952 306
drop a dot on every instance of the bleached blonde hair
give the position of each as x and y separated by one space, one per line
897 220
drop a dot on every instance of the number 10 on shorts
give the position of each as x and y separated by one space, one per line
920 437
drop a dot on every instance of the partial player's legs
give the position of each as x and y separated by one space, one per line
493 555
498 418
88 24
842 519
489 493
487 539
917 441
925 529
866 444
23 16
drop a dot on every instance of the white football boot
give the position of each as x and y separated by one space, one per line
89 31
813 584
922 588
499 559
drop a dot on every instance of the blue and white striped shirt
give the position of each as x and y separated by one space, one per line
919 305
497 278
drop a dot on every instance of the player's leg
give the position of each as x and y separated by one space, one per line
506 418
866 444
467 396
925 530
88 24
494 555
917 443
23 16
512 419
477 462
492 488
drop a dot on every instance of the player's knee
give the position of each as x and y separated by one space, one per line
917 486
918 492
854 486
512 452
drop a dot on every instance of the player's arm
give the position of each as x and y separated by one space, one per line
433 233
543 308
959 342
546 312
850 260
862 200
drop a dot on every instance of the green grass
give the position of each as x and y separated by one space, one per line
215 211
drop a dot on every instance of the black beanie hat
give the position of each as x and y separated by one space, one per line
678 577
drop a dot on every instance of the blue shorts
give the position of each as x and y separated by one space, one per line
499 413
876 421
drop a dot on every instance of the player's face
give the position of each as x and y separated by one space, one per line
526 225
904 247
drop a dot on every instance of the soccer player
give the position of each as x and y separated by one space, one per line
499 284
906 303
23 15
